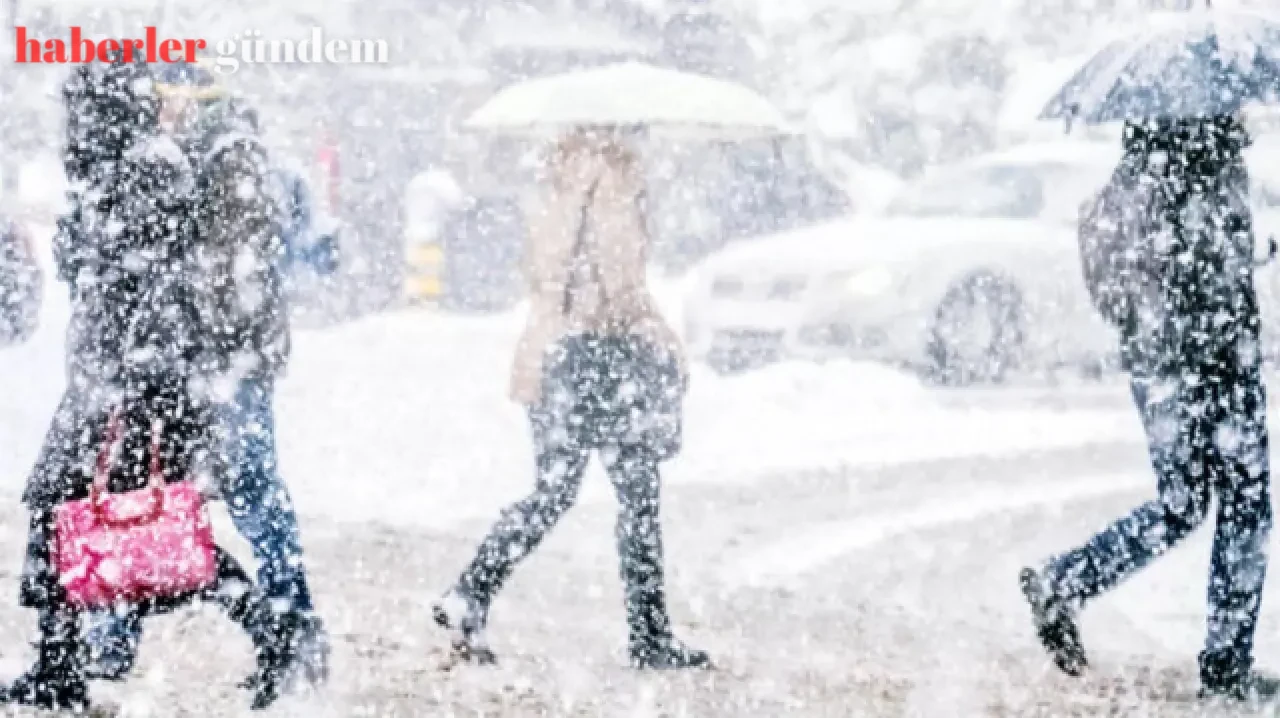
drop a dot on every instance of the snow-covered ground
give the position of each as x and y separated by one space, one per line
844 539
403 418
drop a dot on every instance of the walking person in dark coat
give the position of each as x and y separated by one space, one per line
140 342
234 218
1168 252
599 370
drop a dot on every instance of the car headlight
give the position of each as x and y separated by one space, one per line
868 282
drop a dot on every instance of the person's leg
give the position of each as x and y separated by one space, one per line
1178 439
1179 446
259 502
633 471
111 636
517 533
57 679
262 511
275 635
523 525
1239 564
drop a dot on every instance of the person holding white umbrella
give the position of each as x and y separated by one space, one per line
598 367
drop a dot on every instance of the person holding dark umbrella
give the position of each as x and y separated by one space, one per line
1168 253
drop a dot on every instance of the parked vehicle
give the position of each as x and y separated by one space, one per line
966 274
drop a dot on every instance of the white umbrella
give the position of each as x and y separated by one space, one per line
629 94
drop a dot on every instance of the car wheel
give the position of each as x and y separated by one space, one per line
977 331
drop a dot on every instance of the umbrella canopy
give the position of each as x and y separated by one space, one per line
1201 64
629 94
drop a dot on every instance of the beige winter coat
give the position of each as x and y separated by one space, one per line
616 244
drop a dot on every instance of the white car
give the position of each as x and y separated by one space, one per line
967 273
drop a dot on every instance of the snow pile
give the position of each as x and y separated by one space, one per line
403 418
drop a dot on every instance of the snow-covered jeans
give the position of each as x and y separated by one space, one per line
259 501
633 471
259 504
1206 435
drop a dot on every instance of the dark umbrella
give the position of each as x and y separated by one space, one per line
1206 63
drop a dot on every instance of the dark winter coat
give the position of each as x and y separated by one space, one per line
139 334
1192 306
137 312
242 251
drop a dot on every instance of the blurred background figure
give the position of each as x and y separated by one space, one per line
21 285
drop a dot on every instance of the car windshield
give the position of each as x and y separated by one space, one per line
1015 192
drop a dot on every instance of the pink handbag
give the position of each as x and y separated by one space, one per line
152 543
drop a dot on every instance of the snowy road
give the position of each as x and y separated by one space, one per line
842 538
924 622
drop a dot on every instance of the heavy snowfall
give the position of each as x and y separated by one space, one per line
902 389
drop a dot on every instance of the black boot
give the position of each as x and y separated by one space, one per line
313 650
664 653
464 615
56 681
1229 679
274 635
650 643
1055 623
275 641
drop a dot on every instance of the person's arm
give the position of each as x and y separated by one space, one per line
249 220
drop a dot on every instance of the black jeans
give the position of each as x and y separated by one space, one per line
580 414
1207 435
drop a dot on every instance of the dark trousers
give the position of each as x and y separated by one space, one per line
633 471
1207 435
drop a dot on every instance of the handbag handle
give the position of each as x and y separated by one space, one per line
155 482
579 252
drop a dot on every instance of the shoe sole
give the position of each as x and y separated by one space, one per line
700 666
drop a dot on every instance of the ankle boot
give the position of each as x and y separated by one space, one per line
313 650
650 642
1229 677
56 681
1055 623
275 641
